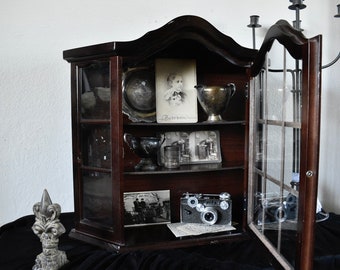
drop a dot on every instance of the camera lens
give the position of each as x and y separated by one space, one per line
209 216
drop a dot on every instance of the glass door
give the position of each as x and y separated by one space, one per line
284 124
95 143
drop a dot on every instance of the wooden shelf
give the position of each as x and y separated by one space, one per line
159 237
193 168
104 163
156 236
238 122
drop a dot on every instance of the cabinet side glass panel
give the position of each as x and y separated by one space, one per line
275 173
97 199
94 107
94 88
96 146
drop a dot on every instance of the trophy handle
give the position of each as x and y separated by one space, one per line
232 88
131 141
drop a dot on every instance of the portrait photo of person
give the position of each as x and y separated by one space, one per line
176 97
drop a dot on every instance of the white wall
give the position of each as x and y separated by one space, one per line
35 134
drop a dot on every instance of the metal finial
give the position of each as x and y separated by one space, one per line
297 4
296 25
254 21
338 15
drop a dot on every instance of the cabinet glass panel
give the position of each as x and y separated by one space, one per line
97 198
96 146
94 90
275 171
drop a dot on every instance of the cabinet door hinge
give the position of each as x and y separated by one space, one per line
246 91
245 203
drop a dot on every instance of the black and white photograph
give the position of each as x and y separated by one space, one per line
147 208
194 147
176 96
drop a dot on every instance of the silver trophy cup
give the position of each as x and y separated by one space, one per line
146 148
215 99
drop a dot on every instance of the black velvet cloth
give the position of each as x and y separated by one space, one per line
19 247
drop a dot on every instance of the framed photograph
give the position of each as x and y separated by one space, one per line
176 97
147 208
195 147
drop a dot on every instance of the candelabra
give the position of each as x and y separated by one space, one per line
296 5
254 23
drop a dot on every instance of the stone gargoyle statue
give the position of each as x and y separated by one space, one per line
48 228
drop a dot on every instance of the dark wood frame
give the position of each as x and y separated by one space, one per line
309 51
219 60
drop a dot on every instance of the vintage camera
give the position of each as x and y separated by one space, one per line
206 208
273 209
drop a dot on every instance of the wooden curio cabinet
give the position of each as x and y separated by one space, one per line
262 147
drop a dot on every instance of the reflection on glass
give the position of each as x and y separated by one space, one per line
274 96
277 147
96 146
289 157
97 198
274 151
94 88
275 209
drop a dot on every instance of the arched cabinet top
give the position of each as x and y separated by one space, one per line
292 39
191 30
